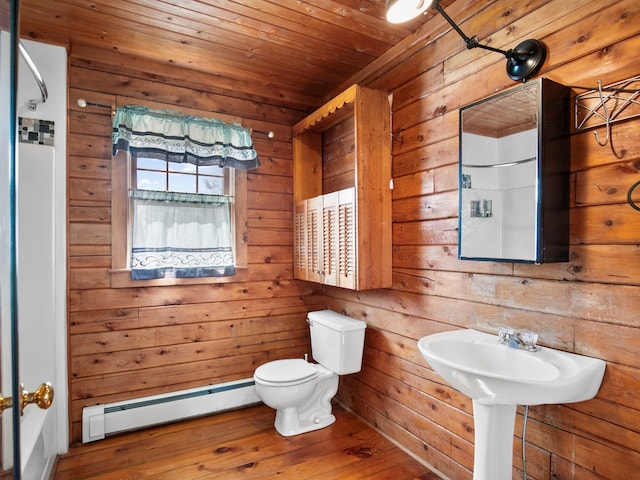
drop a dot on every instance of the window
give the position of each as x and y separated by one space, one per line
181 220
122 226
161 175
160 194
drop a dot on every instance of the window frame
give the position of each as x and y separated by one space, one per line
121 225
168 173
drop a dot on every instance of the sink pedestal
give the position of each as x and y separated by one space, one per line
493 456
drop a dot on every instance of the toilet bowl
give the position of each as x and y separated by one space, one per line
300 391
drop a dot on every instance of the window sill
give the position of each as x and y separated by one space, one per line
121 278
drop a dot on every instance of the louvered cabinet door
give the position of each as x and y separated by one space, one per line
347 239
307 240
330 242
313 228
325 239
300 256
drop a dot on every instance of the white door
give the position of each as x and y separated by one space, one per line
29 293
27 301
36 302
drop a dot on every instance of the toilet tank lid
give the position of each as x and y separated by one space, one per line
336 321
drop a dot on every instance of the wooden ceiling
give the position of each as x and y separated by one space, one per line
298 50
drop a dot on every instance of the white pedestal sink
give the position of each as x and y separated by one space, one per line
498 378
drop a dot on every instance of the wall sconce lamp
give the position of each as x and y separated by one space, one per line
522 61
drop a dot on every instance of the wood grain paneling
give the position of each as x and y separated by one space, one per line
588 305
130 342
283 56
126 342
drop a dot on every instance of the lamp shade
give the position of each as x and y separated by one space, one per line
399 11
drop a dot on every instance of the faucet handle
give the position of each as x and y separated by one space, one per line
503 333
529 339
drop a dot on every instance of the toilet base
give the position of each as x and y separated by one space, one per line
288 424
315 413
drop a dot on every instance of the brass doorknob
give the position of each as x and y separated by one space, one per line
5 402
42 397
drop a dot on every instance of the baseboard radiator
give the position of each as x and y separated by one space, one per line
99 421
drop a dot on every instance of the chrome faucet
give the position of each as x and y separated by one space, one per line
524 340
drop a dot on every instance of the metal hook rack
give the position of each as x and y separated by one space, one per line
606 105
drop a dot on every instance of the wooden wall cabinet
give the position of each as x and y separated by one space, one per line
342 192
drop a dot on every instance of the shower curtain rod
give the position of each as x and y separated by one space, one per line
33 104
82 103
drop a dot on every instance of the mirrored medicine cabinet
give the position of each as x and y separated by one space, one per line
514 175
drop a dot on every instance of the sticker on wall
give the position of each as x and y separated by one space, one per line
38 132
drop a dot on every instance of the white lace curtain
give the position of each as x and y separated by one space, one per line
181 234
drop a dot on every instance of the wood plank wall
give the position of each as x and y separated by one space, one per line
128 342
588 305
338 157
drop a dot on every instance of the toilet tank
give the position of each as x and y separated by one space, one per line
337 341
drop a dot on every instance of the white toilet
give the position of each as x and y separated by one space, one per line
300 391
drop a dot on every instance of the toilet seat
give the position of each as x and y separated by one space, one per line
282 373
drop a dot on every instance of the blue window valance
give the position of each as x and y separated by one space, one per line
179 138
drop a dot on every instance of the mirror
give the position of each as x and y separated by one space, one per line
514 175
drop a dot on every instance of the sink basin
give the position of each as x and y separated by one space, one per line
498 378
476 364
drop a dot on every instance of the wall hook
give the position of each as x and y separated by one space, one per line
604 106
607 117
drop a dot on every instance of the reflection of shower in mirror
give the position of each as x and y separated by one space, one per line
513 194
482 208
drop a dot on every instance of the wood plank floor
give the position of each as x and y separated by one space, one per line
243 444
